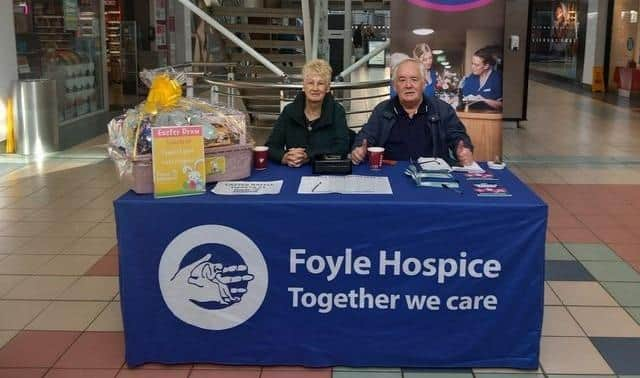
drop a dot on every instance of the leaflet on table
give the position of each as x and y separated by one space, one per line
480 176
431 179
439 184
417 174
351 184
490 190
469 168
429 164
247 187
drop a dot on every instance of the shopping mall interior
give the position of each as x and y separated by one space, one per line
570 130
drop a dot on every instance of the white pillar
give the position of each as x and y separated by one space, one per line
183 34
348 45
316 29
8 61
306 24
323 21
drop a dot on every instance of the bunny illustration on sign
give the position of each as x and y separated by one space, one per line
194 178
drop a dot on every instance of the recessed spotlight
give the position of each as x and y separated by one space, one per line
423 31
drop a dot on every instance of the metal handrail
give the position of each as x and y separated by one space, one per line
233 38
347 71
361 98
201 64
262 85
254 97
231 89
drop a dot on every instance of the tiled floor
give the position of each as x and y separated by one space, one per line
59 299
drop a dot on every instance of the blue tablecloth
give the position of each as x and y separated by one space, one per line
425 277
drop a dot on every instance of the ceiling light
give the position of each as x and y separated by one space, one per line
437 52
423 31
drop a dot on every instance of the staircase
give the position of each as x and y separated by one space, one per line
277 34
271 31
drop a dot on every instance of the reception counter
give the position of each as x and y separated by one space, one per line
485 130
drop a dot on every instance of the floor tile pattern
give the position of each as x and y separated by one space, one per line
59 297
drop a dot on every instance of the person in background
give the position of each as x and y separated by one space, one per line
411 125
484 84
367 35
314 123
422 52
560 31
560 17
394 60
357 37
397 58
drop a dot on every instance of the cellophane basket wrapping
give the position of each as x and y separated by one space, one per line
227 143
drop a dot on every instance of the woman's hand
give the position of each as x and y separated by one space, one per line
493 104
295 157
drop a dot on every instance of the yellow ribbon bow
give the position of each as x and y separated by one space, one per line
164 93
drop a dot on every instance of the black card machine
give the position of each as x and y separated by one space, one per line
331 164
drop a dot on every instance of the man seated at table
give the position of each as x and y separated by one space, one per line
411 125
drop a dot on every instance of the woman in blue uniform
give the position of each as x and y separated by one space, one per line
483 85
422 52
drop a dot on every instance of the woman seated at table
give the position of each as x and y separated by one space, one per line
314 123
482 89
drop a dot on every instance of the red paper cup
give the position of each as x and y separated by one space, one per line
375 157
260 157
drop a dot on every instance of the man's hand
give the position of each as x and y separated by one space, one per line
464 154
358 154
295 157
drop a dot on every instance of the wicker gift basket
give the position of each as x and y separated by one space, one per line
227 145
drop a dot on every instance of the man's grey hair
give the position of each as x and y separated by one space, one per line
394 69
396 58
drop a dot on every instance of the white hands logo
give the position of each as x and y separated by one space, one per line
210 282
206 293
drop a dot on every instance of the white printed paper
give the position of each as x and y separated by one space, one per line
430 164
351 184
473 168
247 187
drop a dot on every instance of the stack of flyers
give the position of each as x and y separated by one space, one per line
490 190
485 176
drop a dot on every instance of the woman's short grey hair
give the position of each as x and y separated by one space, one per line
317 67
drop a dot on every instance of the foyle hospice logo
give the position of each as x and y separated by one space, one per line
450 5
213 277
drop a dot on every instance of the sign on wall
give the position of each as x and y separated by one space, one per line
450 5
